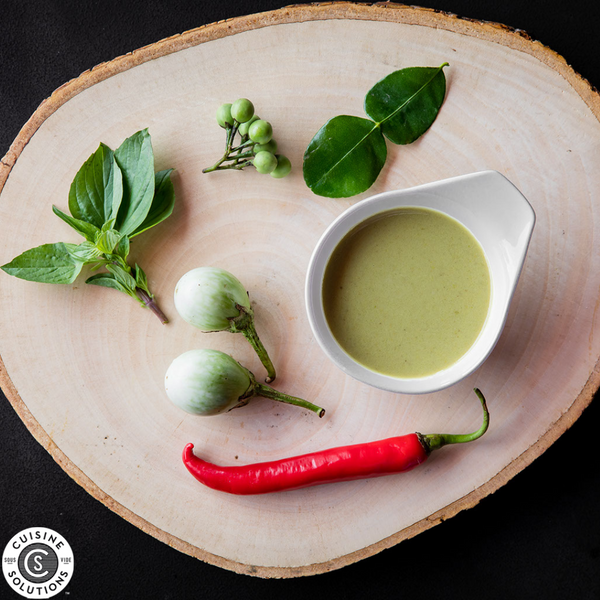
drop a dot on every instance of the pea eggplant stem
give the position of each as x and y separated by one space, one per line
359 461
237 166
228 152
243 145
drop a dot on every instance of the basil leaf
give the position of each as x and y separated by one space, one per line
108 240
108 225
96 191
107 280
86 252
345 157
49 263
122 277
87 230
407 102
141 280
122 249
136 160
162 203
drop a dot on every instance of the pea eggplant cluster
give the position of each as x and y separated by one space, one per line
255 145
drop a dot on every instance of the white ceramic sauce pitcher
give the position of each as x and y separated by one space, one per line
497 215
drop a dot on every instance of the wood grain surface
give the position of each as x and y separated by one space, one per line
84 366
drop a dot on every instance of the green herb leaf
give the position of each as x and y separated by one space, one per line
123 277
108 225
141 281
407 102
136 160
347 154
86 252
107 280
49 263
122 249
162 203
108 240
345 157
97 189
87 230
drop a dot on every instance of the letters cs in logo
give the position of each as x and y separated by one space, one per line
37 563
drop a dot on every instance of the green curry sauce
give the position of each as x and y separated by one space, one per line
407 292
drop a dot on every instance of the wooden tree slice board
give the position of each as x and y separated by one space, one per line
84 366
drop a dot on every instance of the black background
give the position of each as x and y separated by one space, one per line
537 537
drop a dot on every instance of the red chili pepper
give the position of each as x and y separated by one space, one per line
359 461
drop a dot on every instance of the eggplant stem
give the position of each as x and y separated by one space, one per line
244 323
268 392
251 335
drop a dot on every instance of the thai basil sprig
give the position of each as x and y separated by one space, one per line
347 154
114 197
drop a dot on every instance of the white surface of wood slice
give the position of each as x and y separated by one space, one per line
84 366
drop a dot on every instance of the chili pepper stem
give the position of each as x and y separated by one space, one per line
269 392
434 441
244 323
